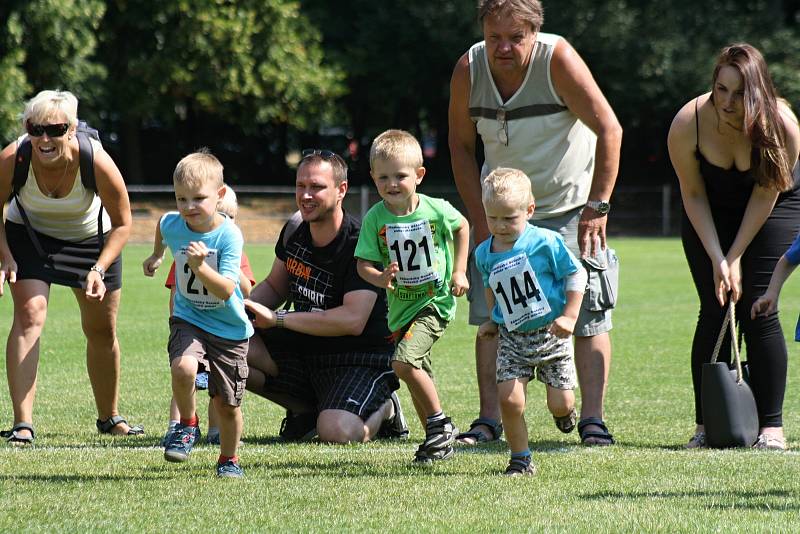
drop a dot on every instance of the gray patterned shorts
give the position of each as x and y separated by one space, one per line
519 354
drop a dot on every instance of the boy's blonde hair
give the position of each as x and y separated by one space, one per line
47 103
396 145
509 185
228 204
198 169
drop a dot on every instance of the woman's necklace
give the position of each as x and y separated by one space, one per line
51 193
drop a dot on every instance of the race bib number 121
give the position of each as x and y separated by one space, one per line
411 246
190 287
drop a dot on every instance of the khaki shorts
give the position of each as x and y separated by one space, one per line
601 289
523 354
415 340
225 359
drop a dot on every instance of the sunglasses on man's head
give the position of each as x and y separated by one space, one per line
324 154
52 130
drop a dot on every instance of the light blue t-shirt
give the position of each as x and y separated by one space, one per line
528 278
193 302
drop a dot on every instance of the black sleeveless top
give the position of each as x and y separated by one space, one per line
729 190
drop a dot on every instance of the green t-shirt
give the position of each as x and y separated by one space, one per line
425 266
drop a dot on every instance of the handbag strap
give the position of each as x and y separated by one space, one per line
729 320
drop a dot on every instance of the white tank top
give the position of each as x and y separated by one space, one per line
72 218
545 140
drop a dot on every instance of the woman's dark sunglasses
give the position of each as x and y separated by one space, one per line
52 130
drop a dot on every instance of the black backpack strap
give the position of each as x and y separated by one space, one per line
291 226
88 180
22 164
86 161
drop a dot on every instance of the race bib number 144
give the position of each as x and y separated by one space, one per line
517 291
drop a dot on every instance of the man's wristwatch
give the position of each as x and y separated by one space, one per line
99 270
600 206
280 315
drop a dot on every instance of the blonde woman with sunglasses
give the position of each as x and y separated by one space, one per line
59 231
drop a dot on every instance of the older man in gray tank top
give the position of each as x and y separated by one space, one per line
537 108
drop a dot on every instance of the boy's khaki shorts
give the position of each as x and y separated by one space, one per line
225 359
523 354
414 341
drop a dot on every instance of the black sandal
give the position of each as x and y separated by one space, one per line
14 438
495 427
566 423
104 427
602 434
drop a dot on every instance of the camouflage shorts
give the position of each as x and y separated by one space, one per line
519 354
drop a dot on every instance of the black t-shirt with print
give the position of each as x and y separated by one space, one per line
319 278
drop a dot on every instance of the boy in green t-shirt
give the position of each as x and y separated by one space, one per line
409 233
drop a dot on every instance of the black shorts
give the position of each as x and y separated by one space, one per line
67 262
357 382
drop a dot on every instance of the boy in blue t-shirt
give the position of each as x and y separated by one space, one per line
768 302
208 322
534 286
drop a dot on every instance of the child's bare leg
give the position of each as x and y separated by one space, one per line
230 426
213 420
512 408
422 388
560 402
184 371
174 414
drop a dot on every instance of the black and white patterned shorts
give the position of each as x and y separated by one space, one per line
521 354
357 382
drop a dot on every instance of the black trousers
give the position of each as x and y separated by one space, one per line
763 336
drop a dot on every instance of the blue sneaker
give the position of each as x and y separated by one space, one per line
181 442
201 380
229 469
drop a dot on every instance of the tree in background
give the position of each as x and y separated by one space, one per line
234 76
48 44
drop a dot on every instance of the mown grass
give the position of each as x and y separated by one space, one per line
74 480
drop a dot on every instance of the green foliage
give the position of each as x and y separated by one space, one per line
74 480
13 83
249 62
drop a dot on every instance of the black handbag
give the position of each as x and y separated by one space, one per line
729 408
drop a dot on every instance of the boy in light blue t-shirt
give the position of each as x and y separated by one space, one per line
534 286
208 322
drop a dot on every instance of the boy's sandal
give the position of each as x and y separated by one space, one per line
495 428
603 435
519 467
14 438
566 423
104 427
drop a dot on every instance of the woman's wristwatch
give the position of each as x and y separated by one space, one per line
99 270
600 206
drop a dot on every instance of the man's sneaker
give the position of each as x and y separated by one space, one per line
298 427
201 380
438 444
520 467
229 469
395 427
181 442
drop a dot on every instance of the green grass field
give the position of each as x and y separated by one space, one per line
74 480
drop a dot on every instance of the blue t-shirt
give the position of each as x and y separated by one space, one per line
193 302
528 278
793 257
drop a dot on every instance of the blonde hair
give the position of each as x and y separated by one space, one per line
396 145
509 185
198 169
228 204
47 103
